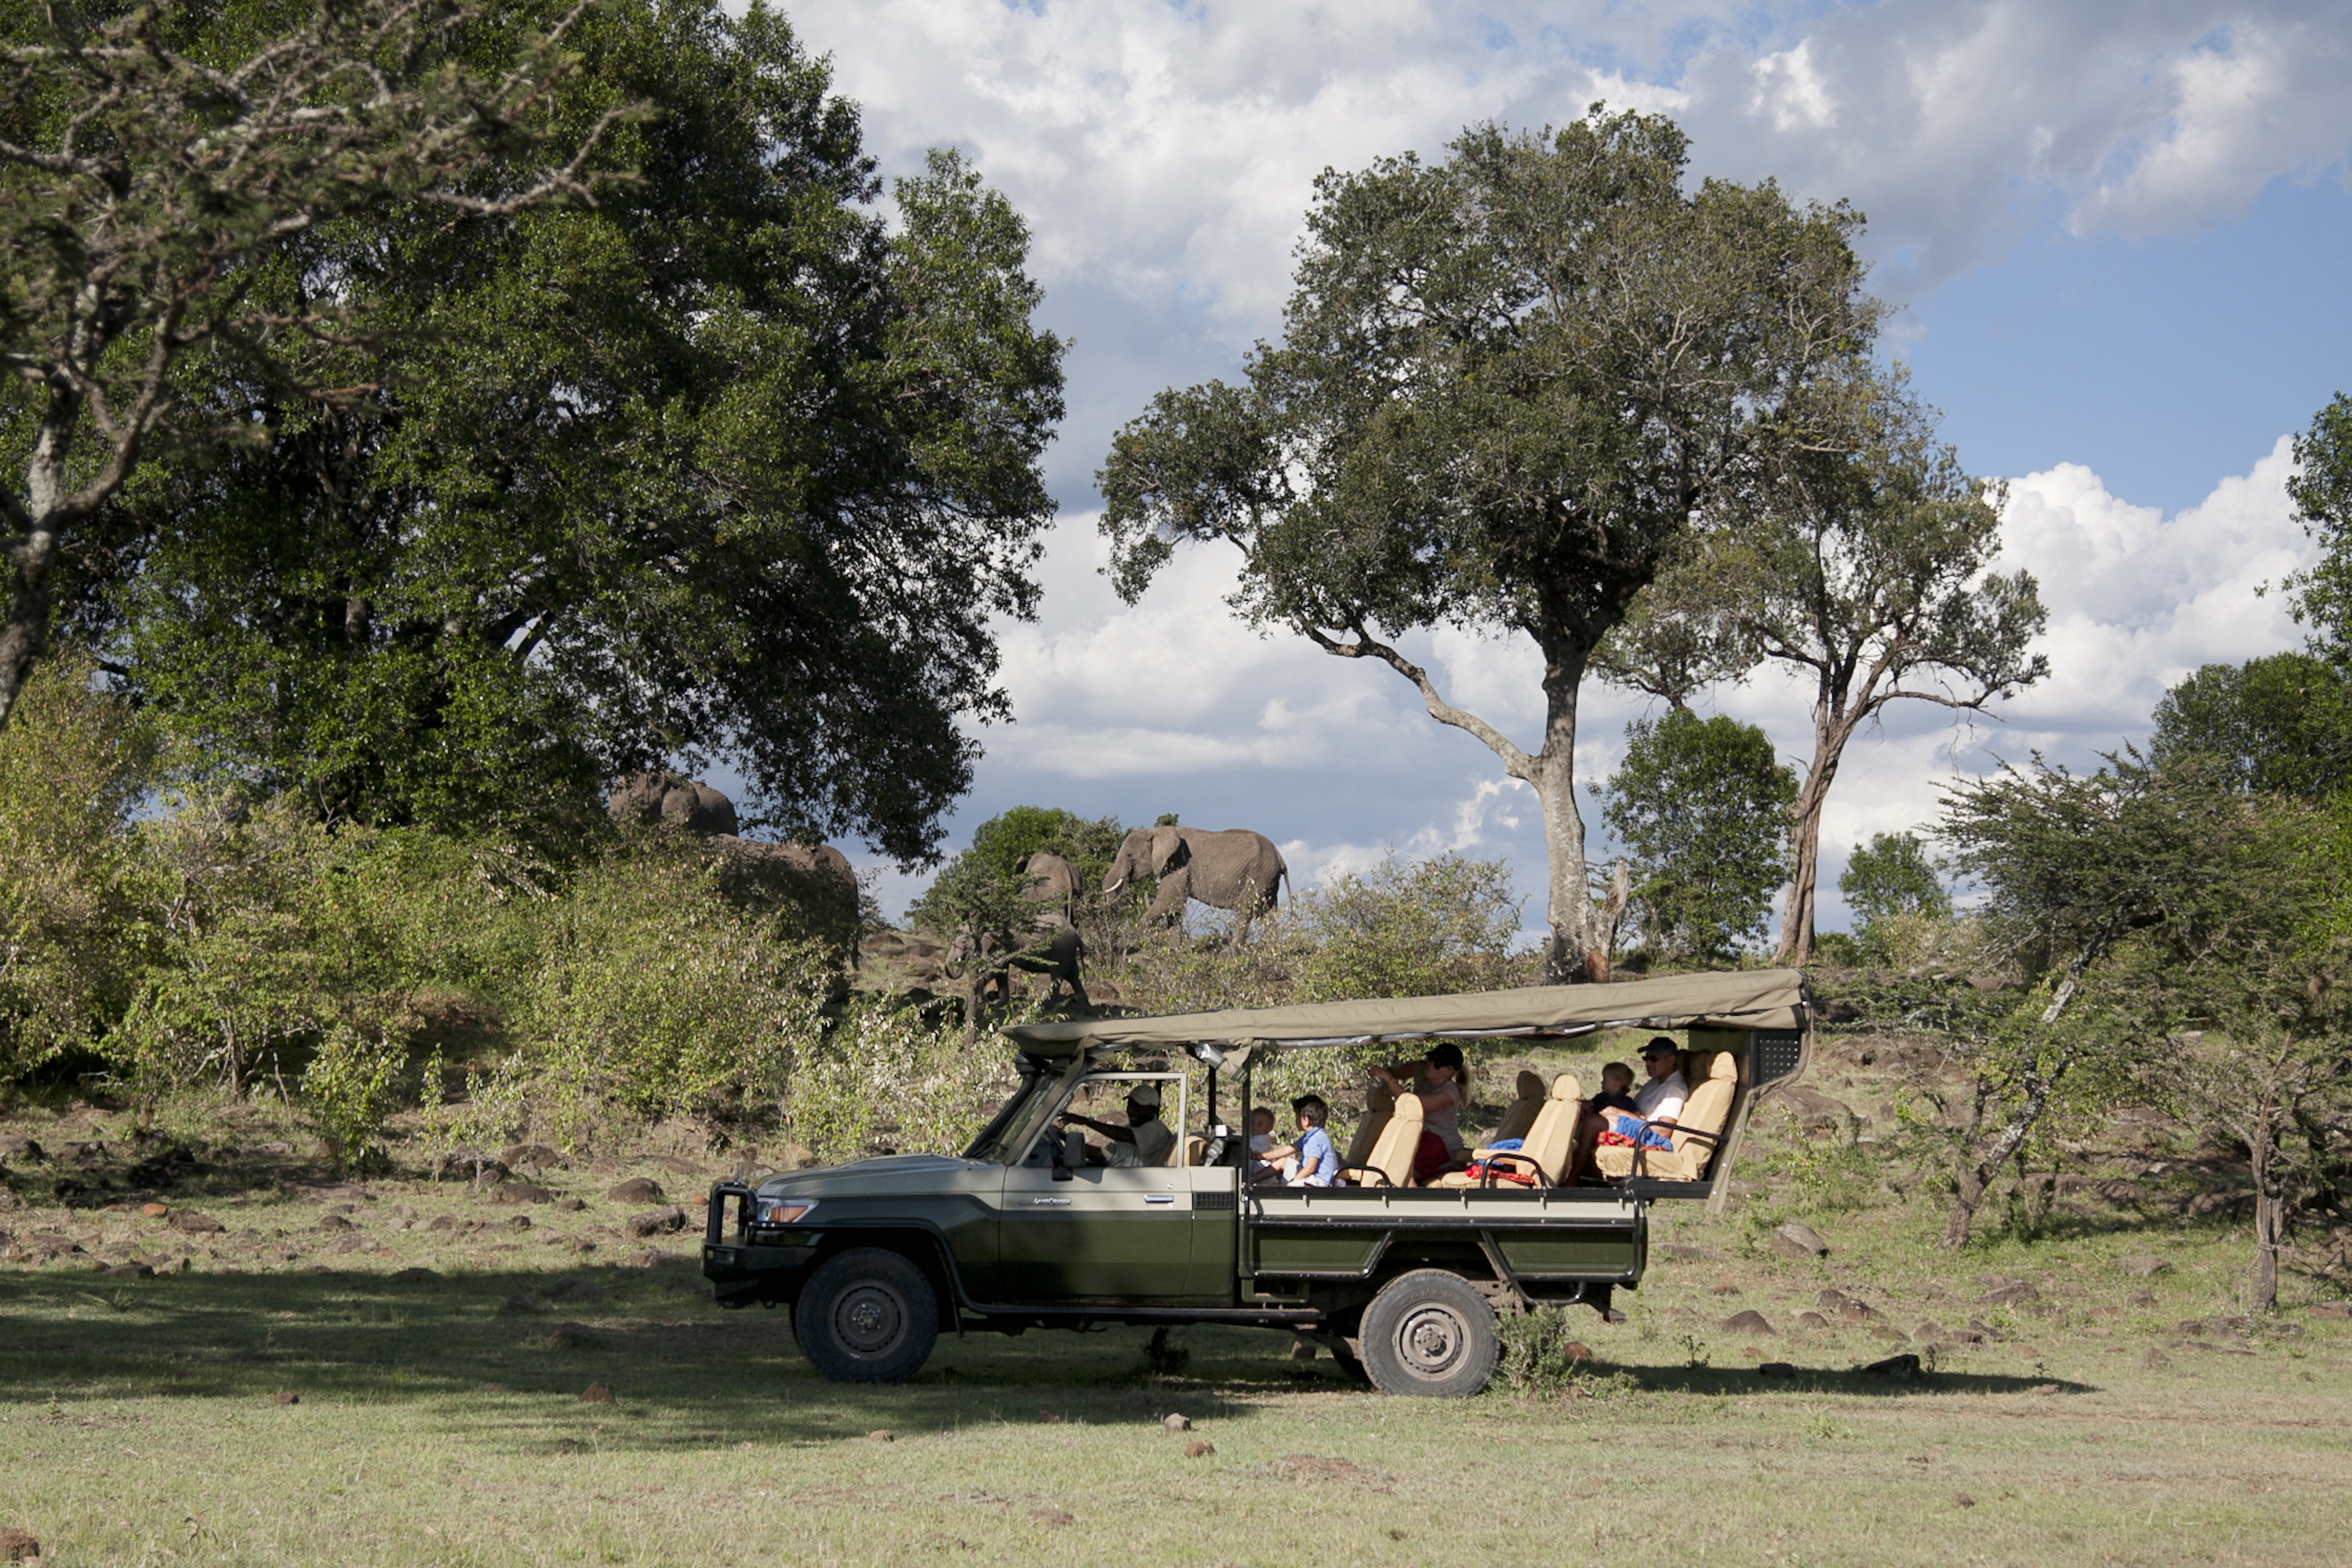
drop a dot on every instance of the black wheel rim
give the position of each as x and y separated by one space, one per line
870 1319
1433 1341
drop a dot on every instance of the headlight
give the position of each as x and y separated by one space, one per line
781 1211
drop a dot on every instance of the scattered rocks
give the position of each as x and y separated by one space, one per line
1795 1239
1902 1368
1049 1418
1750 1321
644 1259
882 1436
635 1190
1811 1320
572 1206
441 1222
1198 1449
2143 1266
1175 1423
18 1546
1776 1369
1962 1499
1683 1252
596 1394
2339 1310
188 1222
522 1154
569 1289
470 1164
654 1222
335 1222
519 1222
129 1272
285 1399
154 1211
520 1193
14 1146
2000 1292
570 1337
1844 1308
415 1277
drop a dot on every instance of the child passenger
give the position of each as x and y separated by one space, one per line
1616 1091
1317 1163
1265 1165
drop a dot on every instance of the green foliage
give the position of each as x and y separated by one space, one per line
350 1090
2321 491
886 1082
1891 875
980 890
76 918
737 462
2282 724
1541 1354
655 995
1701 806
1408 928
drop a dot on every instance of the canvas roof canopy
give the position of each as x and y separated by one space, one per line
1752 999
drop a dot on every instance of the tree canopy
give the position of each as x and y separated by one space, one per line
1506 382
1699 805
2279 724
2321 491
736 466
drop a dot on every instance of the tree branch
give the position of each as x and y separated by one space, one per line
1516 762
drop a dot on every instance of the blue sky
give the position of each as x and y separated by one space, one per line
2117 235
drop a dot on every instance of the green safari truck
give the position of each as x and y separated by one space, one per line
1402 1282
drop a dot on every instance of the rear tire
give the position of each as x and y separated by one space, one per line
1428 1334
868 1316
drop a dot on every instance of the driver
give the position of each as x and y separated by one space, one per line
1144 1141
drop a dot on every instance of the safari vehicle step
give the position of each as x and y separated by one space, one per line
1026 1229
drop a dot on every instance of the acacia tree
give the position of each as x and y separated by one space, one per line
141 178
1859 562
2321 491
1507 381
2076 867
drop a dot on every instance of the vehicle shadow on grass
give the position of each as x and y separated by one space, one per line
489 1352
1748 1381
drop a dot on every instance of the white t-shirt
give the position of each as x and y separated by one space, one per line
1662 1099
1152 1141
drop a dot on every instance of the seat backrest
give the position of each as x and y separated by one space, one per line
1400 1136
1520 1114
1379 1104
1553 1132
1196 1148
1708 1108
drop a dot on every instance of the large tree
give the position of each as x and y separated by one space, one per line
738 465
1699 805
2321 491
1860 563
2279 724
150 156
1507 381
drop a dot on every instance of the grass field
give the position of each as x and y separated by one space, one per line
437 1417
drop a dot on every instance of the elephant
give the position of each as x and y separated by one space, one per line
1051 882
1227 868
663 798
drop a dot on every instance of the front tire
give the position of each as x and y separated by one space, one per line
1431 1334
868 1316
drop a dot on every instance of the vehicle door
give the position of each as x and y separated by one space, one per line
1100 1233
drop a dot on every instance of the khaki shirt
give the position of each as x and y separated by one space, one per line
1152 1141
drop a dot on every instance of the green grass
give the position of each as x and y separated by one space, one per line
440 1424
435 1425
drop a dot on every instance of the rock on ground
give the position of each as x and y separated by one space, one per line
1797 1239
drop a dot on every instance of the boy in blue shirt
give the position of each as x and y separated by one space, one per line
1317 1160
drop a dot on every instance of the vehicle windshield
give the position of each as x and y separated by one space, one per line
1021 1117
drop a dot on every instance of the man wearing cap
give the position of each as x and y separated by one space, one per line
1144 1141
1658 1102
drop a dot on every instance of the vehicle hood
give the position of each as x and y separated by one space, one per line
860 1174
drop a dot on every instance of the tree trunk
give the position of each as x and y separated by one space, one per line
1578 949
1832 730
24 635
2270 1217
1967 1191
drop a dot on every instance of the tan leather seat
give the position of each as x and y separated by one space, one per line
1196 1148
1379 1104
1695 1132
1520 1114
1544 1153
1389 1162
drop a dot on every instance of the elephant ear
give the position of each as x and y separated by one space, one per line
1168 850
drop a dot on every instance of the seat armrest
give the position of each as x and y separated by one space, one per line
1352 1171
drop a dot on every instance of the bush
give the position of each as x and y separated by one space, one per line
886 1082
1540 1355
350 1089
76 916
1701 805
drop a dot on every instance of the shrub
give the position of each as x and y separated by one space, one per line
350 1089
74 919
884 1080
1539 1355
1701 805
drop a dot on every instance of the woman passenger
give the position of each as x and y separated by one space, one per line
1440 1082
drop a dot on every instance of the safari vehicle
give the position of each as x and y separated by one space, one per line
1401 1283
